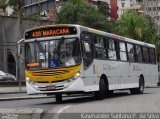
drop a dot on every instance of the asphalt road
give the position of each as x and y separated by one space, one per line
120 102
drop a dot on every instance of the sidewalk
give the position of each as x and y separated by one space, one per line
14 93
12 90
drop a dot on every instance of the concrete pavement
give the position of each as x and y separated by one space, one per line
17 93
24 113
14 93
12 90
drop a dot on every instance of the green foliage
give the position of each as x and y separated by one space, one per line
17 5
135 26
82 13
104 8
3 4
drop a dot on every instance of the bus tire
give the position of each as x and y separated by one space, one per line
140 89
58 97
101 93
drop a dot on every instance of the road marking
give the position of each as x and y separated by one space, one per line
56 116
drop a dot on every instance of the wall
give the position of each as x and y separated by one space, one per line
11 31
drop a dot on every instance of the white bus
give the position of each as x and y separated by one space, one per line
62 59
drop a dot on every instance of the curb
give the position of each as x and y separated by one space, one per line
152 86
37 97
24 98
24 113
16 92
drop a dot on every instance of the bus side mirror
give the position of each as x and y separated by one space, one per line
20 48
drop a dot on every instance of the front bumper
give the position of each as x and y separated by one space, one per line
60 87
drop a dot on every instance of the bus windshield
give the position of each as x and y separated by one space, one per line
53 54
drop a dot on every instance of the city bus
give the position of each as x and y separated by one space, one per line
66 58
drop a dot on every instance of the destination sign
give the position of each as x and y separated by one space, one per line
50 31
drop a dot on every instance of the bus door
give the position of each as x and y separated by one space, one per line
87 47
112 65
123 65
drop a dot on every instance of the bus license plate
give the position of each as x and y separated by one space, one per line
51 87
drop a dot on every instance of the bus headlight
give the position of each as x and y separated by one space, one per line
27 79
30 81
76 76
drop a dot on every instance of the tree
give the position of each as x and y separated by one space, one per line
104 8
3 5
17 5
135 26
82 13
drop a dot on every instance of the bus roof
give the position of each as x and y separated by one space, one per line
98 32
118 37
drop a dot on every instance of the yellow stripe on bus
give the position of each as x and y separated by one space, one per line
51 75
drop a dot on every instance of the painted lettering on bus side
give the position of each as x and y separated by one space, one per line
107 67
136 68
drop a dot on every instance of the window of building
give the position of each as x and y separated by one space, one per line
123 4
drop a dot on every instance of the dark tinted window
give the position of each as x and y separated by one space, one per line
139 54
145 55
152 58
87 45
100 48
131 52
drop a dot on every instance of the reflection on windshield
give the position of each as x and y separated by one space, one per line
53 54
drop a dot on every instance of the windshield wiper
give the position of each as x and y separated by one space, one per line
56 50
40 47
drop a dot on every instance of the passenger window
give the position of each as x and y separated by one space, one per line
152 56
131 53
122 49
111 50
145 55
139 54
99 48
87 49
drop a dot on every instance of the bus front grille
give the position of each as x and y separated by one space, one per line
49 73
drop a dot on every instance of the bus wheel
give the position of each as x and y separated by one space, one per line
58 97
140 89
101 93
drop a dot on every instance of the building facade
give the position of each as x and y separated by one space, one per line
117 7
152 8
